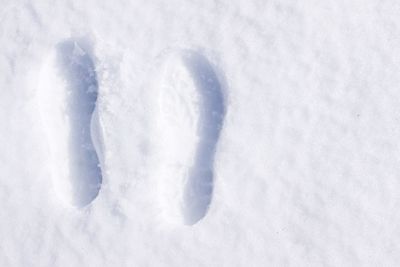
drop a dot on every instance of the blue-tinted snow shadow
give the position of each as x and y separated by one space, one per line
77 67
199 188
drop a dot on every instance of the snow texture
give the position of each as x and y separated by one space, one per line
199 133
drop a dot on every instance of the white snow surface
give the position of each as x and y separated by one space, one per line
304 157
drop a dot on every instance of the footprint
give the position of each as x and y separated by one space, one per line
190 116
67 98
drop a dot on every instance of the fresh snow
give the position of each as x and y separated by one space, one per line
199 133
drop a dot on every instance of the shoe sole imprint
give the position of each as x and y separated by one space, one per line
190 116
67 99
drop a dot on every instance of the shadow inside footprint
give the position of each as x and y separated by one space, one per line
77 68
199 187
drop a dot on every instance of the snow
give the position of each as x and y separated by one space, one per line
303 152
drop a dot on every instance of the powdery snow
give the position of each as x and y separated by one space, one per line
304 157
